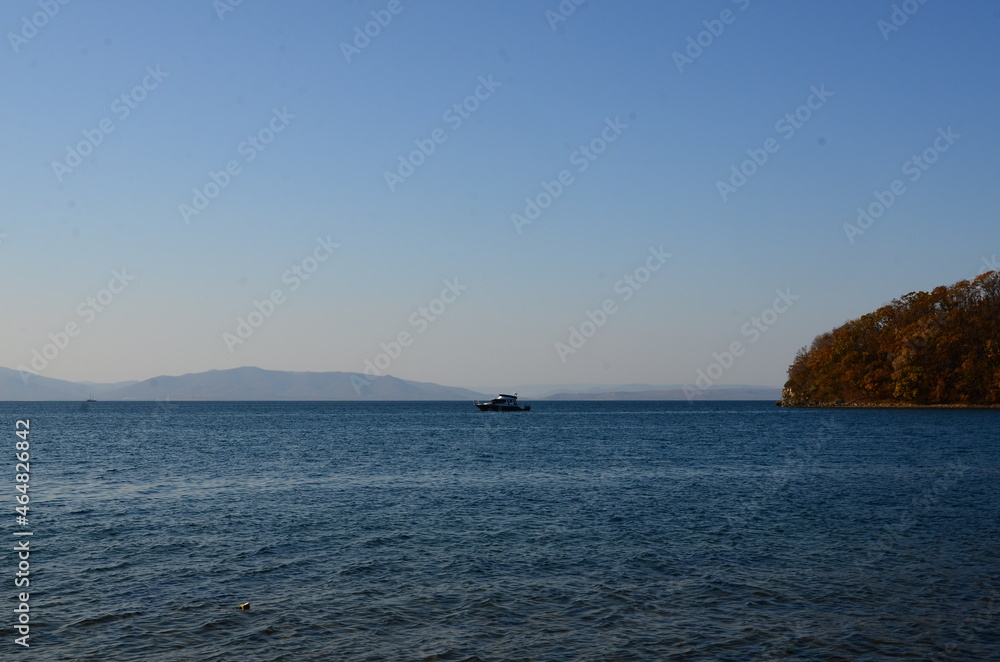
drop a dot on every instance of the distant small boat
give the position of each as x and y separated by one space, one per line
503 402
91 398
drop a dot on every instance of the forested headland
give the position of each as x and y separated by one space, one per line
923 349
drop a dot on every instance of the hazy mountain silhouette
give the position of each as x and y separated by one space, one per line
245 383
15 386
249 383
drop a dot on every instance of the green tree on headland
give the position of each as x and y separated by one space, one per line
935 348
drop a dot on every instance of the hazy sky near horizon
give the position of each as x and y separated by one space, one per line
612 194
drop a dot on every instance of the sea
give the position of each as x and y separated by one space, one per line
596 531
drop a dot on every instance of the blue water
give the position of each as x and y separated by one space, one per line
576 531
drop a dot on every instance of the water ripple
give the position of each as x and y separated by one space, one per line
585 531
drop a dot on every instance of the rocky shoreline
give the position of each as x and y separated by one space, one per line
880 405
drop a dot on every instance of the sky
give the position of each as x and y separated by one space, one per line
483 193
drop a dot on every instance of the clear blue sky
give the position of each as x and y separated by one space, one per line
345 119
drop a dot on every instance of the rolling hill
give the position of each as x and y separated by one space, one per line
245 383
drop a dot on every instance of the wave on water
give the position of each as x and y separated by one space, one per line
578 531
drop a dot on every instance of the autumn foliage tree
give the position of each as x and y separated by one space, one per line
941 347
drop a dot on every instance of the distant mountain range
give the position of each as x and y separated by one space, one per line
246 383
249 383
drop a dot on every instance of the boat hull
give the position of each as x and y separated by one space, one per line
491 407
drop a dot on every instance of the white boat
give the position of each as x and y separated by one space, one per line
503 402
